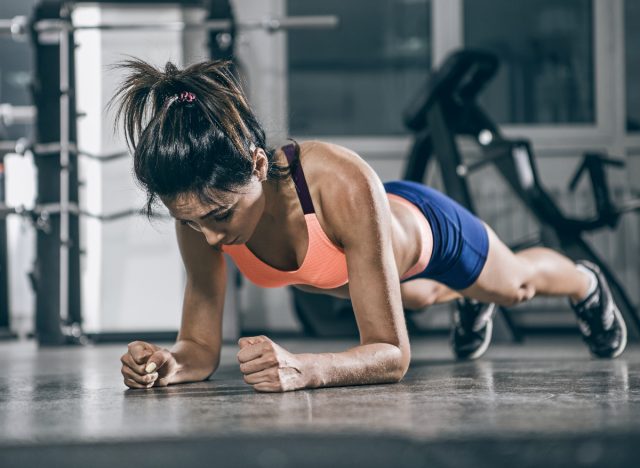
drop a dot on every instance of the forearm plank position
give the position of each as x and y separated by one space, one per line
316 216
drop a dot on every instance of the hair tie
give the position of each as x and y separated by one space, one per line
186 96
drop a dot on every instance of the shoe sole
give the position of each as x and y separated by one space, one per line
616 312
623 328
485 343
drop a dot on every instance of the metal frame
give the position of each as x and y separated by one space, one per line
268 24
65 140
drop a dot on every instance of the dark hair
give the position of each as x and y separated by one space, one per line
183 145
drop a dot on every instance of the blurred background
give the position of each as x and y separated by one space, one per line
568 82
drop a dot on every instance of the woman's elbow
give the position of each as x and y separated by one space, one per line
401 364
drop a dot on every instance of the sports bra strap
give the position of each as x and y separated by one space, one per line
292 152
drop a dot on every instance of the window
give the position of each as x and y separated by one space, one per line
357 79
632 56
547 58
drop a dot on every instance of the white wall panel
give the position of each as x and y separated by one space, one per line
132 276
21 238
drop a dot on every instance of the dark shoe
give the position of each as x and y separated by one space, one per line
472 328
599 319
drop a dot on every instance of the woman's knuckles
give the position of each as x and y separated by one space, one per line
130 363
136 376
132 383
149 378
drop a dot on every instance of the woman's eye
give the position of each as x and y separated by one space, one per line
224 217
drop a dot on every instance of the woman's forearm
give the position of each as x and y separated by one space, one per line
195 362
364 364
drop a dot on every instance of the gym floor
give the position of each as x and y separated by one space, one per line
543 402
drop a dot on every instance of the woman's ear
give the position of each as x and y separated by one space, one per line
260 164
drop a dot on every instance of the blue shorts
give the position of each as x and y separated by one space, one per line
460 240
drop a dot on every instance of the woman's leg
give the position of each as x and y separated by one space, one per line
511 278
421 292
473 261
507 279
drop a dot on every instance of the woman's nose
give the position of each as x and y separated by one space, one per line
212 237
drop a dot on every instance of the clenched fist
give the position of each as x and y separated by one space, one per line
146 365
269 367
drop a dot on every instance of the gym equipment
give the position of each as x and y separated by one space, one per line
447 108
221 43
55 276
56 272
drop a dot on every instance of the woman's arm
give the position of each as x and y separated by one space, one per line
358 211
374 363
360 216
197 349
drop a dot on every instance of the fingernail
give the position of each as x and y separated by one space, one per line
150 367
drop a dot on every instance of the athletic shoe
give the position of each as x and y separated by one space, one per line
472 328
599 320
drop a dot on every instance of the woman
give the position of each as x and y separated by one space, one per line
316 216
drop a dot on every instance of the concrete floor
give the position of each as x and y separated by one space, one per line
544 402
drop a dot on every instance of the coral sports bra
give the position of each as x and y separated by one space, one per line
325 264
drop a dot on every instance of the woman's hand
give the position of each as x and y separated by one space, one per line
269 367
146 365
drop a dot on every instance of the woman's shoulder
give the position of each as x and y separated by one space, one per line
329 161
324 151
337 176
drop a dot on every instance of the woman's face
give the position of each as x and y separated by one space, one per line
232 218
